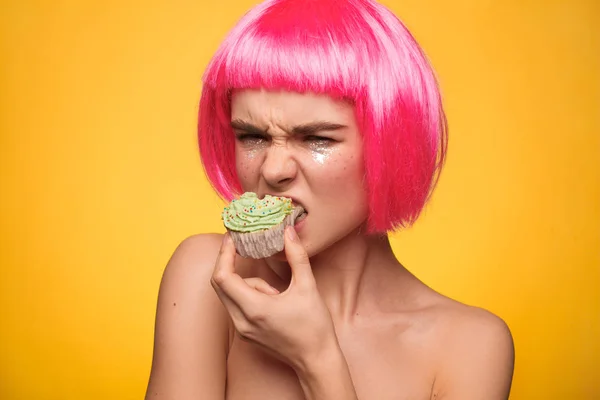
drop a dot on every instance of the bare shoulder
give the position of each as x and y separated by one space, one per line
191 330
195 250
467 323
477 359
189 269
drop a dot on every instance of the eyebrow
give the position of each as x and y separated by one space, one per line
307 129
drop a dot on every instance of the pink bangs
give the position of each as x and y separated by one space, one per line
356 50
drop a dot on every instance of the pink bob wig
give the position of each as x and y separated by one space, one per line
355 50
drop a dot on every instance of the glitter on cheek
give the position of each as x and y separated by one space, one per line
321 154
251 154
318 157
252 149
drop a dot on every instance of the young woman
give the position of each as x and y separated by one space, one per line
333 104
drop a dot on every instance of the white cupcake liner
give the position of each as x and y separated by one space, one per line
265 243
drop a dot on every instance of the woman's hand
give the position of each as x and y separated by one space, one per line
295 326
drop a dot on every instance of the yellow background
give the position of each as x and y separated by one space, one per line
100 180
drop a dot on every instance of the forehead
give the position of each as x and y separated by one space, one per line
288 108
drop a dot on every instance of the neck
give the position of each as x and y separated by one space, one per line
356 275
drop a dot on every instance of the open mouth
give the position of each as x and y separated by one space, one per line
298 213
298 206
301 216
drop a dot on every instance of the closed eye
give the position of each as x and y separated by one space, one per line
318 139
250 137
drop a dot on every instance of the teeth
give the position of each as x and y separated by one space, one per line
301 216
298 214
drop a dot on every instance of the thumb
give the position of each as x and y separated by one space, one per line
261 285
298 259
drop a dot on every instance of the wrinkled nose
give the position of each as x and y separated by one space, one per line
279 167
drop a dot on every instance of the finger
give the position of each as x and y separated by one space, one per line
225 278
232 308
240 320
261 285
226 259
297 258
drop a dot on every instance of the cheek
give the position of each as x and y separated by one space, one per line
247 167
350 184
343 176
346 170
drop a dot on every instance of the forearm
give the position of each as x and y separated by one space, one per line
327 378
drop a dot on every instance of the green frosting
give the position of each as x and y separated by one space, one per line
251 214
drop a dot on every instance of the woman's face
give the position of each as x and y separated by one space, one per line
306 147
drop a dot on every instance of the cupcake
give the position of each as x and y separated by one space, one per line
257 225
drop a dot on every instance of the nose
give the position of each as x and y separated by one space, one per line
279 167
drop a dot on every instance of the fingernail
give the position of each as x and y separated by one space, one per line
292 235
